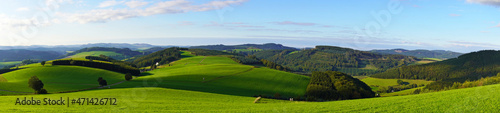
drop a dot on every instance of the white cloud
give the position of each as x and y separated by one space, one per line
135 4
498 25
109 3
295 23
21 9
455 15
486 2
166 7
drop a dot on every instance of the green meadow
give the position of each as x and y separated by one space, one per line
58 78
478 99
218 84
94 53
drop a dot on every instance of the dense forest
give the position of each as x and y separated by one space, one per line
471 66
268 46
19 55
334 85
441 54
162 57
330 58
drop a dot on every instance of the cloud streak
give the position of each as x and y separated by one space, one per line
109 3
165 7
486 2
294 23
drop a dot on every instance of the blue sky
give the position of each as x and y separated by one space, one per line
457 25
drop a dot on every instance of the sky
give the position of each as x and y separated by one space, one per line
456 25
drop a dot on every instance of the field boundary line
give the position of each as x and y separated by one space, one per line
203 59
14 91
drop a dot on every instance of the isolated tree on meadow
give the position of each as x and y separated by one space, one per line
128 76
37 85
102 82
43 63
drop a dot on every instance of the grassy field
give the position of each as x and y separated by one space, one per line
3 64
400 93
58 78
391 82
94 53
218 84
478 99
224 76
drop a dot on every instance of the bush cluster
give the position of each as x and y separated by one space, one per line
333 85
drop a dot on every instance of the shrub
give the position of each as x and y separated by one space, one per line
35 83
102 82
128 76
42 91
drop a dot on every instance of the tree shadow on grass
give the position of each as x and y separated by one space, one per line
144 74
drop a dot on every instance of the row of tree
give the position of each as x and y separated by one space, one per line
121 68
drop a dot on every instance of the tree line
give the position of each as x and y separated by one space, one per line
121 68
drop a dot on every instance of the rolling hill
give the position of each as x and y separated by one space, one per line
115 53
268 46
219 74
440 54
58 78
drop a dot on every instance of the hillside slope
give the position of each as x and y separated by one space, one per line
58 78
218 74
471 66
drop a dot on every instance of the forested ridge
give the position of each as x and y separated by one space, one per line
471 66
162 57
19 55
330 58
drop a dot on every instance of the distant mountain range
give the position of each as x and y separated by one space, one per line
64 48
268 46
441 54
